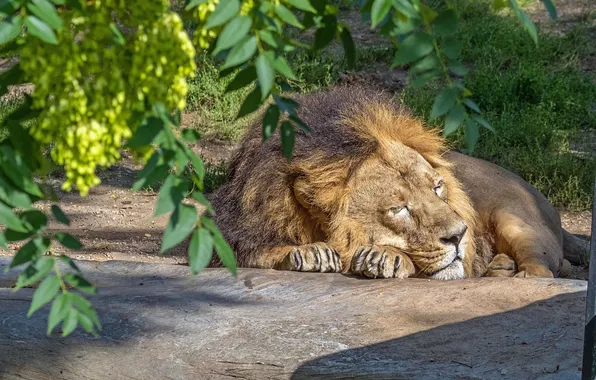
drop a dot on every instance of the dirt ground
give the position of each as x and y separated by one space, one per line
114 223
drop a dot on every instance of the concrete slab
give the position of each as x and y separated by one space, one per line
158 323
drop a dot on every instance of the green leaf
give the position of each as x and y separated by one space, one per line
79 283
483 122
85 307
10 219
268 38
281 65
301 124
349 47
190 135
428 14
326 33
270 121
60 308
302 5
11 195
446 23
170 195
59 215
46 12
379 11
251 103
287 16
525 20
70 322
286 104
68 240
117 34
10 29
41 30
425 78
34 220
287 138
550 7
9 7
67 260
414 47
429 62
443 102
44 293
457 68
454 119
14 168
266 75
471 105
200 197
146 171
242 79
241 52
149 129
472 135
34 272
197 163
224 11
233 32
181 223
451 47
194 3
86 322
200 250
224 251
34 248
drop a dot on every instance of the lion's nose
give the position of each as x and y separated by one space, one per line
454 238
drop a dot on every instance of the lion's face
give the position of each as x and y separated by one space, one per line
403 202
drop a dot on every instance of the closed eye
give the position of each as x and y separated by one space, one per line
398 211
439 187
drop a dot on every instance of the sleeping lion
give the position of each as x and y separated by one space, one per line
372 192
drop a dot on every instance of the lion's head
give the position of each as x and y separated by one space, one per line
404 195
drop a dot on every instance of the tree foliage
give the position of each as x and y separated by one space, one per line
112 74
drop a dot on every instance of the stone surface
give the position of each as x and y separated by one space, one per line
159 323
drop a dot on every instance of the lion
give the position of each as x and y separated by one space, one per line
371 191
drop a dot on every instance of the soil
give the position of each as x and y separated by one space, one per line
114 223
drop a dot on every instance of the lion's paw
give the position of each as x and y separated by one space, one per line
534 270
384 262
501 266
317 257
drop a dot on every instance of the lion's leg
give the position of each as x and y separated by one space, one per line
317 257
534 248
379 261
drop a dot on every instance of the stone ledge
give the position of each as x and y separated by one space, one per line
160 323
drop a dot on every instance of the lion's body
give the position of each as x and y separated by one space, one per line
326 209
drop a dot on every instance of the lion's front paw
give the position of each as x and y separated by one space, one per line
501 266
534 270
318 257
385 262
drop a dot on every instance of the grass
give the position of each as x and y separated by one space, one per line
538 98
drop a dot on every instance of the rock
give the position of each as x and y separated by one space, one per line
159 323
